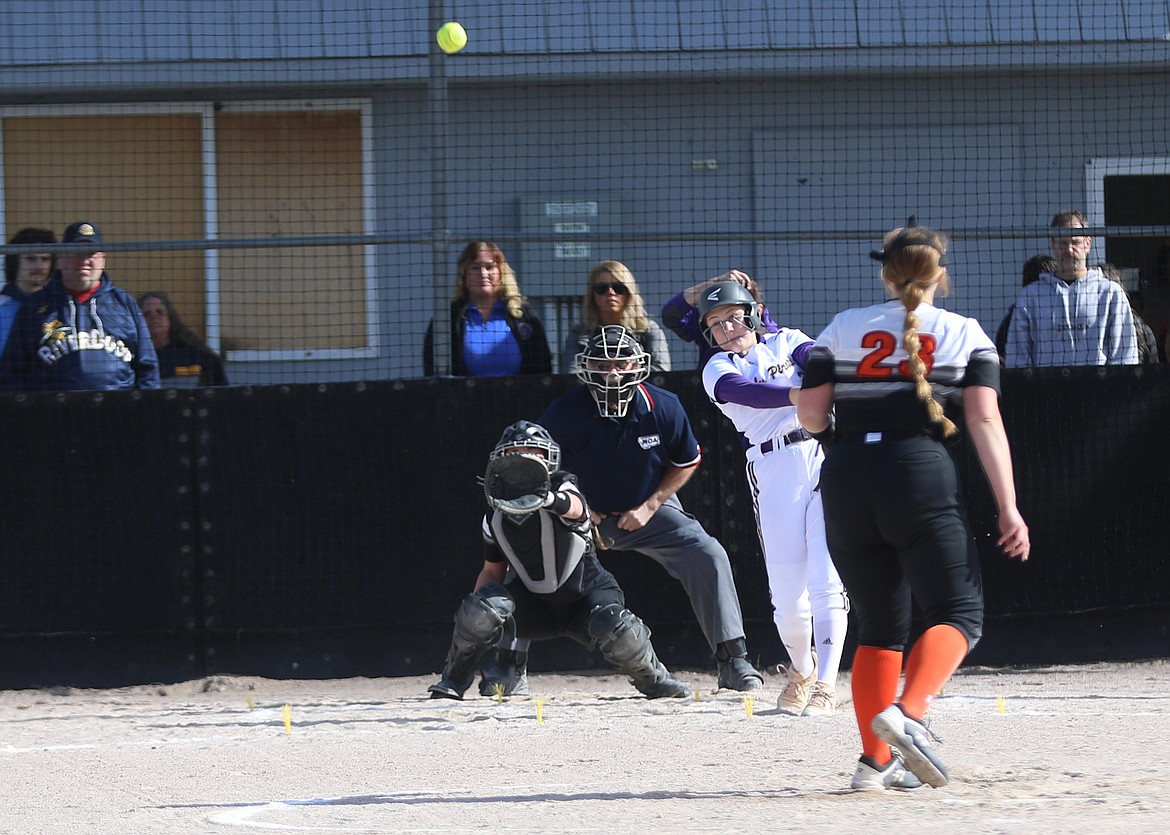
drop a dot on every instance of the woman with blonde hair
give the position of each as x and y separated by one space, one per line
493 333
612 298
893 518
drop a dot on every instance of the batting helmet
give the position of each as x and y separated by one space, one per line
613 364
526 435
725 293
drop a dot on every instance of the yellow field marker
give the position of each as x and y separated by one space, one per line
749 705
540 711
999 703
288 719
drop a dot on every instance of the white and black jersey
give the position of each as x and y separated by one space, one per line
861 353
551 555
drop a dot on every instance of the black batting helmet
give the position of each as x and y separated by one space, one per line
725 293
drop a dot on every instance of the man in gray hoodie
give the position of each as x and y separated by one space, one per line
1073 315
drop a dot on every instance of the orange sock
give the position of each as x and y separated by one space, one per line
875 685
933 659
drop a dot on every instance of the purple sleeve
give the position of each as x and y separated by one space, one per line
769 324
735 388
800 355
682 318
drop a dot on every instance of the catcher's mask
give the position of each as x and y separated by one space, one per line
612 365
526 435
725 293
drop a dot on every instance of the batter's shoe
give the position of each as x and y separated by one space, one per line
822 702
509 672
912 739
870 777
795 696
735 671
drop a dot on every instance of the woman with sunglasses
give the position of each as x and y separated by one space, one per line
612 298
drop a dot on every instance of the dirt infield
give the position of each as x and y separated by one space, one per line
1053 749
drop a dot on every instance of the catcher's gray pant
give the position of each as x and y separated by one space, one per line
676 541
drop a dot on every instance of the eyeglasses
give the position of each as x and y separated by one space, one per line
603 287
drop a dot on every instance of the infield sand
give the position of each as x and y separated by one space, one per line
1052 749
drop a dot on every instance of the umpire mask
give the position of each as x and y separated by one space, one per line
613 364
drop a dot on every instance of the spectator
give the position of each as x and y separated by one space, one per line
681 313
612 298
1146 341
493 333
893 514
183 358
80 332
1073 315
755 382
632 448
556 588
24 274
1033 267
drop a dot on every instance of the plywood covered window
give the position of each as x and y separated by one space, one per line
139 176
291 174
189 173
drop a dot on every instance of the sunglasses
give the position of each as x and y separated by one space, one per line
603 287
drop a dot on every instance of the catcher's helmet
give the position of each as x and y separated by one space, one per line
612 365
525 434
724 293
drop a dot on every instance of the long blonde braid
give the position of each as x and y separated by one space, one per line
911 266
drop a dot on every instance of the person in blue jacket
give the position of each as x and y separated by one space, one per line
24 274
80 332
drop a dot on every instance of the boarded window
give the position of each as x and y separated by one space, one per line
287 174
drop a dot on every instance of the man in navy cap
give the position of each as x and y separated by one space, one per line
80 332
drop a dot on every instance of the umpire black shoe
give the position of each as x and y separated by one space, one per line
735 672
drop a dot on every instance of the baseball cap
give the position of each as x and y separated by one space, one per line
82 230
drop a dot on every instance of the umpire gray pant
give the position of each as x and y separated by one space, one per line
676 541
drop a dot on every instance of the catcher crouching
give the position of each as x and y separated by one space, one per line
538 525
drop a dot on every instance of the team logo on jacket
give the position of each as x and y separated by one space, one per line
58 340
649 441
53 331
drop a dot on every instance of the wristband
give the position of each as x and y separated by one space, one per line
558 502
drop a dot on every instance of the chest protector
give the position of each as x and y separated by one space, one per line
543 549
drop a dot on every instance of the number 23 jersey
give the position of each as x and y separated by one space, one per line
861 353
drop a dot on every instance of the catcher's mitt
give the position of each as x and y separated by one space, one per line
516 483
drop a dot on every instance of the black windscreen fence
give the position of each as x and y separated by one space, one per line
323 530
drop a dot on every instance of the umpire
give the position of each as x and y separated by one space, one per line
632 448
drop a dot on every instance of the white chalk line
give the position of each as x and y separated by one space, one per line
245 815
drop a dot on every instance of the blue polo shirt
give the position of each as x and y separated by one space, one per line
489 348
619 461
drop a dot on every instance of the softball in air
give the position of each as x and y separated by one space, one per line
451 37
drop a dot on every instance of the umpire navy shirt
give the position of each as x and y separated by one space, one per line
619 462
